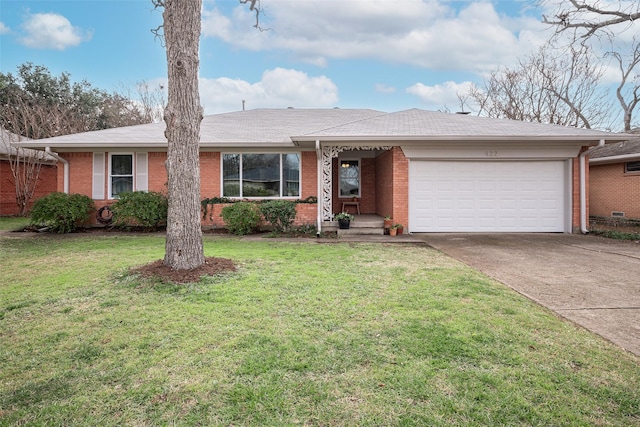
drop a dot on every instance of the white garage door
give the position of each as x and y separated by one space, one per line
487 196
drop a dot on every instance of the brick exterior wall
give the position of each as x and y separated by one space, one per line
400 187
611 189
385 184
81 177
575 202
368 193
47 183
157 172
392 186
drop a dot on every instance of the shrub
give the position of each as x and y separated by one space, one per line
146 209
61 212
279 213
241 218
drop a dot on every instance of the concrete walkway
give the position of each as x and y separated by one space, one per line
592 281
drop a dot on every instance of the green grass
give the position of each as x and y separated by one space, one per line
303 334
617 235
10 223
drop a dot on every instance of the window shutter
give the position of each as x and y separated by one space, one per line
97 187
142 174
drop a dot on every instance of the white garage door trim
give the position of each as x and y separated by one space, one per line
488 196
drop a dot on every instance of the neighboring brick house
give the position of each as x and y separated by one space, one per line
614 175
47 179
432 171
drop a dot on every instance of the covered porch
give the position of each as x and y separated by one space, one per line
367 181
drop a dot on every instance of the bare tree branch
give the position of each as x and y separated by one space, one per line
255 6
629 99
25 167
590 15
546 88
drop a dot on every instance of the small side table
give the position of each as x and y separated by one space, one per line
356 204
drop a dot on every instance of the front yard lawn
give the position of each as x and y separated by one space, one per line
303 333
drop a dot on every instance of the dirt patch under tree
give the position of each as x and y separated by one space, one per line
211 267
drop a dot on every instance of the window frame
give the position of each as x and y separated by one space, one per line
281 186
348 196
111 175
636 163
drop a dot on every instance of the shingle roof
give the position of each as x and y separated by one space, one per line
7 150
283 127
624 148
251 127
435 124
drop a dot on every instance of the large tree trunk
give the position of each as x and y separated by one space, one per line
184 250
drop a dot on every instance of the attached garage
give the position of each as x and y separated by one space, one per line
488 196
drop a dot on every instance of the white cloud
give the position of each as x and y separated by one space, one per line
430 34
382 88
440 96
4 29
51 31
278 88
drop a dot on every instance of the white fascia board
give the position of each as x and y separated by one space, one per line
581 140
615 159
151 146
492 150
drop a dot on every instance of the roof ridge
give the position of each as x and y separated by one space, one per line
382 113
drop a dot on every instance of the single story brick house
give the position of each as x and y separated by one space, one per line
431 171
47 179
614 175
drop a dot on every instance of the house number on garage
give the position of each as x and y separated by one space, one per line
491 153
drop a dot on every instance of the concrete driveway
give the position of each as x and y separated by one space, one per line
592 281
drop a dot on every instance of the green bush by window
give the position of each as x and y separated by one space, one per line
279 213
61 212
141 208
241 218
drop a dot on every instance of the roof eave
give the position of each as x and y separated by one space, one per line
615 159
578 139
153 146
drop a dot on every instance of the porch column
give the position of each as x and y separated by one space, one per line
326 199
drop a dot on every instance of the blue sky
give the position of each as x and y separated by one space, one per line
382 54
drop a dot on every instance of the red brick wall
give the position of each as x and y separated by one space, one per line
575 202
392 186
614 190
80 173
368 178
157 172
309 172
400 187
210 187
47 183
384 184
368 191
81 176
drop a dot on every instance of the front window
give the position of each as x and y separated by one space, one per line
349 178
121 174
632 167
261 175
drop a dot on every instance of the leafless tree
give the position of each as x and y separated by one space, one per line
628 90
589 17
546 87
25 167
148 101
609 23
